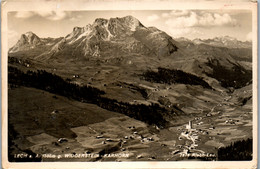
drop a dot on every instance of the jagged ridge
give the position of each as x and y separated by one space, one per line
102 39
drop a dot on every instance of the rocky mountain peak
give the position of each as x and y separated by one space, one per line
228 38
223 41
100 21
27 41
29 38
29 34
77 29
132 21
104 37
105 29
127 23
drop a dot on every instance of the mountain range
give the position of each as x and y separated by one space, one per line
98 38
222 41
127 40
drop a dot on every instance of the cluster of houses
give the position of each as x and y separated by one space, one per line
231 121
135 135
75 76
23 63
191 134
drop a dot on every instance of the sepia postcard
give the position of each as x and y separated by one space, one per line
129 84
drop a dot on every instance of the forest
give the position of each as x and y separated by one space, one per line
172 76
237 151
40 79
236 77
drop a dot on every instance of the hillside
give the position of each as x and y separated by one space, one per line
106 77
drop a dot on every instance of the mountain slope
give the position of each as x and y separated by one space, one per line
102 38
27 41
127 42
230 66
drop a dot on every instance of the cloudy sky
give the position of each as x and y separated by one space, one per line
191 24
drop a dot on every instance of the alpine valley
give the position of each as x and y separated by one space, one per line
116 90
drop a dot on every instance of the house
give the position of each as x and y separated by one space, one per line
109 140
55 112
200 123
211 128
98 137
189 126
61 140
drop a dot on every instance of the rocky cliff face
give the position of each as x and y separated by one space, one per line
125 34
27 41
103 38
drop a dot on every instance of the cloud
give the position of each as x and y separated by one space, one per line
50 15
249 36
76 18
54 15
23 14
165 15
175 13
187 32
182 19
179 13
45 13
153 17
